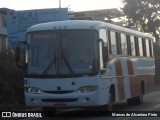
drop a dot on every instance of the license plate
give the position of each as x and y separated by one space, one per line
60 105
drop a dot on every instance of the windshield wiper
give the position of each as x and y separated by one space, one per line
50 65
67 63
53 62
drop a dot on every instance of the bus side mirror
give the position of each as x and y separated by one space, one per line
20 54
20 57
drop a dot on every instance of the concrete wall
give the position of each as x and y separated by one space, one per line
3 29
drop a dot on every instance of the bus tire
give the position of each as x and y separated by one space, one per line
130 101
137 100
49 111
111 100
110 103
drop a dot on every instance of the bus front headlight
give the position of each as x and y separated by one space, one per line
86 89
33 90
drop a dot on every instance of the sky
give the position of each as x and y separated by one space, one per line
73 5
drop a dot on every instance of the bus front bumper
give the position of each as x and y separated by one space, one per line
63 100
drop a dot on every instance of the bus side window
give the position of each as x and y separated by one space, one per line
118 41
128 44
104 44
136 45
144 47
140 47
151 48
147 48
103 35
109 41
124 44
113 43
133 52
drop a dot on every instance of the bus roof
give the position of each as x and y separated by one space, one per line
68 24
84 24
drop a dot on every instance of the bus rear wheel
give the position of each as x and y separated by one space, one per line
137 100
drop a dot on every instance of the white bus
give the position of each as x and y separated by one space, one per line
84 63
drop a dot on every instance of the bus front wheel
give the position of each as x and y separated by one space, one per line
111 99
110 103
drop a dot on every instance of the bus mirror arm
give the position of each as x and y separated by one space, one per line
17 54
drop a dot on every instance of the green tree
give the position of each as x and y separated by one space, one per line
144 14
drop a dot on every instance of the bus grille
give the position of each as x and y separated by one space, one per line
59 92
60 100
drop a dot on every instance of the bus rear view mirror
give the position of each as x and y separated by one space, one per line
20 54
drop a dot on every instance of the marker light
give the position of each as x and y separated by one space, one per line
86 89
33 90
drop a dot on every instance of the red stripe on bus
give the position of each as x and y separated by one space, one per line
120 79
130 67
133 80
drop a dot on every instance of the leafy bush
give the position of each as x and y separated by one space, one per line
11 83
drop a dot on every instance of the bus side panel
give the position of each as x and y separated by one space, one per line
132 78
120 80
142 67
151 79
111 77
134 88
126 78
142 79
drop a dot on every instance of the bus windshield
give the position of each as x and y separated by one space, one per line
62 52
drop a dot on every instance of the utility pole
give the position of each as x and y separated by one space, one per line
59 3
